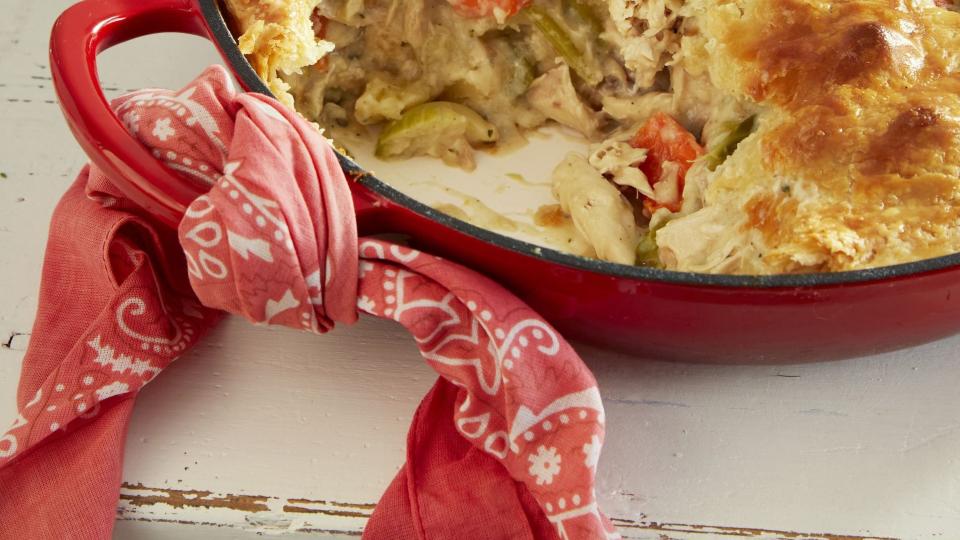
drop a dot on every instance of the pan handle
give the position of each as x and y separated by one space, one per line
91 26
79 34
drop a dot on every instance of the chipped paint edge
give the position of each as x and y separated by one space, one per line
262 514
269 515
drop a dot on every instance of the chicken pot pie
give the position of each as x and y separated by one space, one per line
720 136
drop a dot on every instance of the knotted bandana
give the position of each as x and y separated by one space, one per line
274 240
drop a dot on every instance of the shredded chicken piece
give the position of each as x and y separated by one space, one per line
553 95
599 211
646 35
619 161
637 109
667 189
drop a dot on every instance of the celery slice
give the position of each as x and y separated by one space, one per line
521 70
584 13
719 153
648 251
561 42
437 128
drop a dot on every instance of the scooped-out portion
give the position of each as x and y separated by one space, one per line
733 136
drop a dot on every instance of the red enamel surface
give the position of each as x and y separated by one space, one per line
696 323
79 34
700 323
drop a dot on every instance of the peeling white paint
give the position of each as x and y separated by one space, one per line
854 448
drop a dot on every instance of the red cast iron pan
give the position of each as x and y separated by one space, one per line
649 312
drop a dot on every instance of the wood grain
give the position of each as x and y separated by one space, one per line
140 503
313 428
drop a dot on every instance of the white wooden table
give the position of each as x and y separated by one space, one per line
265 431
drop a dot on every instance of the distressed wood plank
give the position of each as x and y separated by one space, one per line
315 426
267 515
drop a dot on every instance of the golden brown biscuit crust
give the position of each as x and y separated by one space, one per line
867 99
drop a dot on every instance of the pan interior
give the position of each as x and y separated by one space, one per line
225 40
